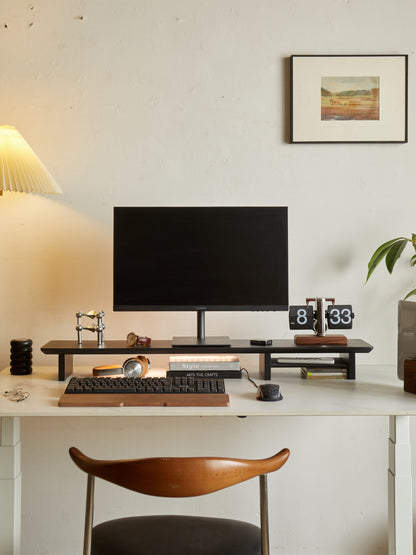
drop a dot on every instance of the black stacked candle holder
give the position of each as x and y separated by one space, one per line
21 356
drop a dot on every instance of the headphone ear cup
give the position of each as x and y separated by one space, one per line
136 367
145 362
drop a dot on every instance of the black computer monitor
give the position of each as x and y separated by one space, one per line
200 259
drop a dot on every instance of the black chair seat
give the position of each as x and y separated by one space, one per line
175 535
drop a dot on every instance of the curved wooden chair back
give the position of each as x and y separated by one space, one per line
179 476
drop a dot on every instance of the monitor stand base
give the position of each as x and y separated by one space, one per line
220 341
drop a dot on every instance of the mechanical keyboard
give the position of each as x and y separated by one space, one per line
137 392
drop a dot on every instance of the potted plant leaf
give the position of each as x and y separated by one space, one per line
391 252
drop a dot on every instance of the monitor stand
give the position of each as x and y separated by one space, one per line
200 340
220 341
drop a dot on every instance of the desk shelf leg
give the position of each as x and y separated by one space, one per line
400 488
351 366
10 486
265 363
65 366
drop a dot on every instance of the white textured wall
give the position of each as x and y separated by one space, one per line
186 102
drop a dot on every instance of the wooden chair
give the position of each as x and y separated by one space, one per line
177 477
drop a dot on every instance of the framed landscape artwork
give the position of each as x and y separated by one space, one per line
349 99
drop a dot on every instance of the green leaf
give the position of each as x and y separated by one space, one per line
394 253
413 260
379 254
413 292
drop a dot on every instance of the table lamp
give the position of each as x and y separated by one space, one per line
20 169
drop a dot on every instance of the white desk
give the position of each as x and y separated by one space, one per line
376 392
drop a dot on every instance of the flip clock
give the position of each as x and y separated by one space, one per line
320 317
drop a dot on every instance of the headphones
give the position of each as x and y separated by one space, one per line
135 367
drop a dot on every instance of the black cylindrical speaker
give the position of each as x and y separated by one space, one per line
21 356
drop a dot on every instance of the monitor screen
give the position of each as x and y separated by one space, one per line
200 258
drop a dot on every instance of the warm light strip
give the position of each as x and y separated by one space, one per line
203 358
21 170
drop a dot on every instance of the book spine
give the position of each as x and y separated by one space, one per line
204 374
312 375
200 365
323 377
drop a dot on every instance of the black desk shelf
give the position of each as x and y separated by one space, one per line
346 358
67 349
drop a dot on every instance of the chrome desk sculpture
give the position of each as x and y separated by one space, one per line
99 327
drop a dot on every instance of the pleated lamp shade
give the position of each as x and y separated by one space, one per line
21 170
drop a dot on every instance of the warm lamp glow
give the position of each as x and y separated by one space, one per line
21 170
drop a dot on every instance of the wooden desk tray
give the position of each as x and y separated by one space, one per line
144 400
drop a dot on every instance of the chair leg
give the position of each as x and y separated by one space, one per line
89 513
264 515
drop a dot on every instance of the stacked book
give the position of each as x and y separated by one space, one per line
323 373
205 366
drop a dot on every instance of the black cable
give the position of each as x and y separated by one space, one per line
249 379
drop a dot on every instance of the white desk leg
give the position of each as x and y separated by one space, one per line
10 486
400 488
